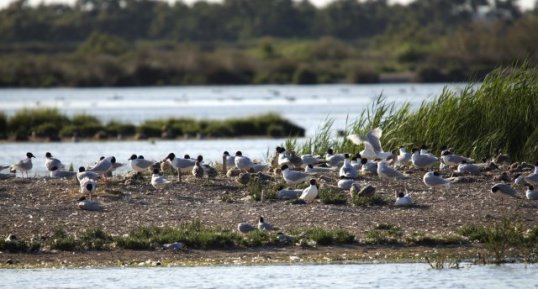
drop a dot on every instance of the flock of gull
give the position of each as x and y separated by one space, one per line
293 169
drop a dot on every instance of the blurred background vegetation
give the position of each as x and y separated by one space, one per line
142 42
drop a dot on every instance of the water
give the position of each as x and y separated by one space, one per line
306 105
275 276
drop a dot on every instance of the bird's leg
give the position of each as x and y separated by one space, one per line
178 176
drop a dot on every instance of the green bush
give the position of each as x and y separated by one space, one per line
332 197
47 130
325 237
375 200
116 128
383 234
24 122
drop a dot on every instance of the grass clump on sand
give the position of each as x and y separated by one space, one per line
476 121
383 234
17 246
500 237
332 197
325 237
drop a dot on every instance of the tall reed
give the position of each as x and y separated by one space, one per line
499 115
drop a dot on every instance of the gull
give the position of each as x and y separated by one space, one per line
372 144
259 167
355 161
53 162
241 162
319 170
180 164
158 181
531 194
227 160
88 186
368 167
140 164
103 166
56 173
403 199
309 159
198 170
82 173
283 157
464 168
288 193
294 177
88 205
346 184
245 228
451 159
505 189
310 193
424 151
384 171
422 161
347 170
262 226
404 158
434 180
24 165
334 160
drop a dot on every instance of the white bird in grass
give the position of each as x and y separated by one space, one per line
241 162
24 165
347 170
422 161
505 189
531 194
158 181
384 171
372 144
311 193
245 228
403 199
288 193
88 186
53 162
263 226
434 180
140 164
294 177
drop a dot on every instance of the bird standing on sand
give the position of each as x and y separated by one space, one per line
103 166
310 193
140 164
180 164
53 162
198 170
24 165
88 186
404 158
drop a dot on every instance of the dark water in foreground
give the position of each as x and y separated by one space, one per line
282 276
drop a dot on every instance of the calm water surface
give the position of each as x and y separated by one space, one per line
285 276
306 105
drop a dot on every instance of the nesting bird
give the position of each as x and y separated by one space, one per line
434 180
158 181
403 199
504 188
245 228
56 173
334 160
242 162
347 170
293 177
422 161
139 164
531 194
384 171
263 226
51 162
